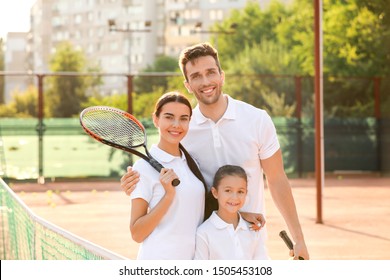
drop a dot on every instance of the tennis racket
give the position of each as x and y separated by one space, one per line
120 130
287 240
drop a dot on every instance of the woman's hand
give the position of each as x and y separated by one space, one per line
166 177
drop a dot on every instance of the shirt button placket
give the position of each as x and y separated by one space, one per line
216 137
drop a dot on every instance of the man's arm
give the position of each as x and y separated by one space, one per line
281 193
129 180
256 220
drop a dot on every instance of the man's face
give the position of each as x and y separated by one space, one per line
204 80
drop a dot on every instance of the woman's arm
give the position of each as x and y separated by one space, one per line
142 222
201 248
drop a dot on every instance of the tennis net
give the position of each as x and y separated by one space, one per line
26 236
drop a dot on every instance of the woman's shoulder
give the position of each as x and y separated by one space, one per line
147 173
143 165
208 224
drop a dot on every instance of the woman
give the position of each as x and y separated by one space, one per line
165 218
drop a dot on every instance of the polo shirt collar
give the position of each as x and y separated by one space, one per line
162 156
230 112
220 224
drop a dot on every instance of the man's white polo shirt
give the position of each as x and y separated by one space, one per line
244 135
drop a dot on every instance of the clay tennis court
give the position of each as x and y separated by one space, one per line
356 215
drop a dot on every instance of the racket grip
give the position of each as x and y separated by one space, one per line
175 182
158 167
287 240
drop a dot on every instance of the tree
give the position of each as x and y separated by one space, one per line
23 104
280 40
274 94
253 27
65 94
356 43
353 40
381 9
117 100
356 35
162 64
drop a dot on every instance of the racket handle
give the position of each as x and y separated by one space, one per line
287 240
175 182
158 167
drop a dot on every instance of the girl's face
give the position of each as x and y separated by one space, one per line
172 123
231 193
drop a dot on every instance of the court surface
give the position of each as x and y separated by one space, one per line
356 215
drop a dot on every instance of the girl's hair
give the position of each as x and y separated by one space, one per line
175 96
199 50
168 97
232 170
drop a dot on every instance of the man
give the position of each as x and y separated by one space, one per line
227 131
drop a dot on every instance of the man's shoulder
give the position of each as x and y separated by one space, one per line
246 111
242 105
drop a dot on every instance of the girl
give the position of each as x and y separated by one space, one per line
225 235
165 218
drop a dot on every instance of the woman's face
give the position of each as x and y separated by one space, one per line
172 123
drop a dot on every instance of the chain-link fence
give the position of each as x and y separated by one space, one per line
40 134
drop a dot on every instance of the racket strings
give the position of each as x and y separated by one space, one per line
115 127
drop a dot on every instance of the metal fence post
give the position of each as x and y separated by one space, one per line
318 112
378 123
129 93
130 105
298 115
40 129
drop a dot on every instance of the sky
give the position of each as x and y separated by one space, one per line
14 16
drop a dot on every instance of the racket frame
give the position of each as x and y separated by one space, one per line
115 145
148 157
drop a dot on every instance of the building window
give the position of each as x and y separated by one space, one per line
77 19
90 16
77 34
113 46
90 48
215 15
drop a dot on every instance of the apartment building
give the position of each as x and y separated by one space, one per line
16 62
122 36
190 21
128 45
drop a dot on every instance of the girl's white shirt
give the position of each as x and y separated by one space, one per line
218 240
